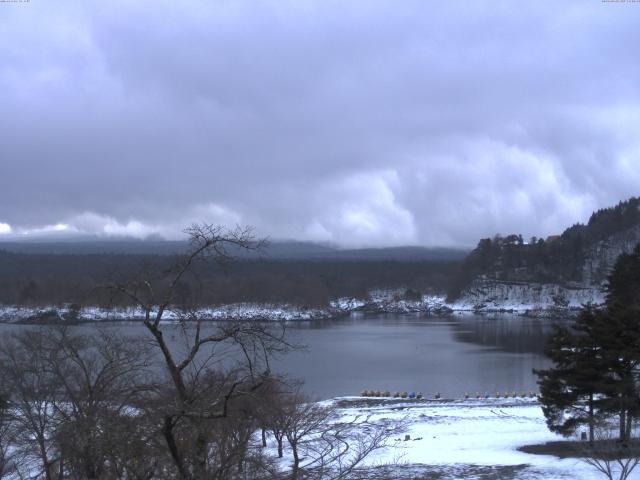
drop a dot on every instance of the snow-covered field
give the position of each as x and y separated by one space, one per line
475 439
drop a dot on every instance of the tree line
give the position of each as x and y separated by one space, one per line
53 279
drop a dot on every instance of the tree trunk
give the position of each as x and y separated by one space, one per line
174 372
280 448
242 454
45 459
296 462
264 437
200 467
623 425
167 431
591 420
60 468
90 467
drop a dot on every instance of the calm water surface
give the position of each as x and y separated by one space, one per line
451 355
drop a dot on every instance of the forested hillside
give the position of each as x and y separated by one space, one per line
46 279
579 255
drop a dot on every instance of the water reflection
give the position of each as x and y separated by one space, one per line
504 332
451 355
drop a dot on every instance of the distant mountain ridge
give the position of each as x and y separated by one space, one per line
559 271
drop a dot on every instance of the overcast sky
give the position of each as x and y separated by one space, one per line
361 123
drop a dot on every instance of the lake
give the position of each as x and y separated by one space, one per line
451 355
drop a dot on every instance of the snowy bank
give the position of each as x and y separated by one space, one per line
241 311
379 301
452 439
534 299
488 297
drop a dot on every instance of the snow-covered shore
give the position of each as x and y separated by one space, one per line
246 311
453 439
536 299
378 301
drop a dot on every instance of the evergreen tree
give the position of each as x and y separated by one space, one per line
569 391
623 287
597 360
620 335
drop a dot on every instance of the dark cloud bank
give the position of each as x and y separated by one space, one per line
358 123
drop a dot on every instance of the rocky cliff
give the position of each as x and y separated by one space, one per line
600 257
558 275
535 298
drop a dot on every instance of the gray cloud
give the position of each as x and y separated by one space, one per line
360 123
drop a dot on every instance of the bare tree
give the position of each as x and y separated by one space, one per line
31 394
201 385
324 445
8 455
616 460
273 410
69 396
341 449
99 378
304 422
186 402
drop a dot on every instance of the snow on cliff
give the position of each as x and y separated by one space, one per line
491 295
486 294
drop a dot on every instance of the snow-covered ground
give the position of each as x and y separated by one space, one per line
465 439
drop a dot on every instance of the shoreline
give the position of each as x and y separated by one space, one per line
430 306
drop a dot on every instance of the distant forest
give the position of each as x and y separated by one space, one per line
38 279
557 259
38 274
